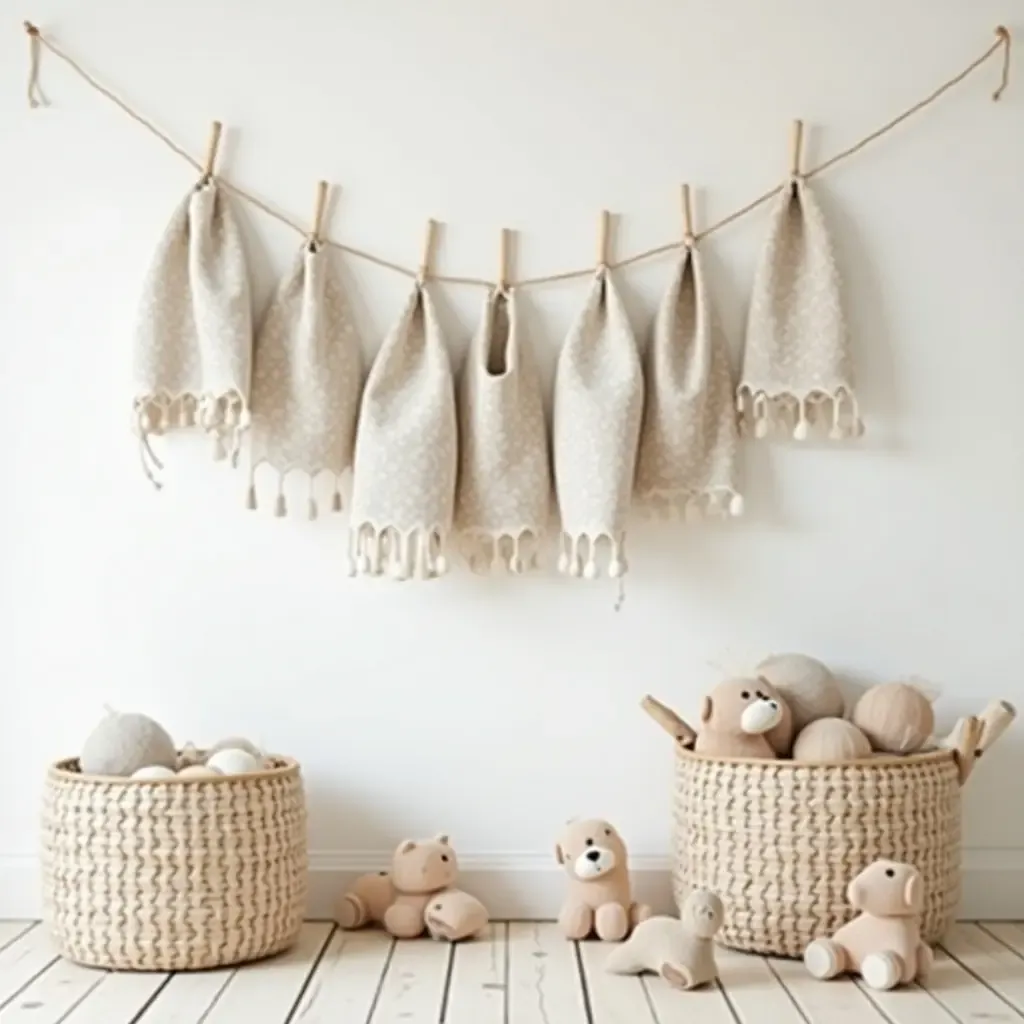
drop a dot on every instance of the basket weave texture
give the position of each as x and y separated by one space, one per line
780 841
175 874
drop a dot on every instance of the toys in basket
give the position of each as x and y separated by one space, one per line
417 895
599 898
883 943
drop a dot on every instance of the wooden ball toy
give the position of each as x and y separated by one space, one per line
153 771
896 717
122 743
198 771
807 686
831 740
234 761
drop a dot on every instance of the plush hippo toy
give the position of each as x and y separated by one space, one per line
599 899
682 951
883 944
738 718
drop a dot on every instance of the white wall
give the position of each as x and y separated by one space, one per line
494 710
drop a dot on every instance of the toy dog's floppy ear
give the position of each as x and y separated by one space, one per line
407 845
705 710
442 838
855 893
559 855
913 893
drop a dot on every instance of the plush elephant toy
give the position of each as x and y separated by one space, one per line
883 944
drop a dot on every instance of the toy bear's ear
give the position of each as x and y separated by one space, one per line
559 856
705 710
442 838
912 893
407 845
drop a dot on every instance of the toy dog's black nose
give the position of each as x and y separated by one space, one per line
774 705
593 855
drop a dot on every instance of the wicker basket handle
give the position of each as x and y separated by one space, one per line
973 736
670 722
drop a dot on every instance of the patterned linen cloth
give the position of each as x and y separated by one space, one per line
406 459
307 379
797 375
599 391
504 484
194 335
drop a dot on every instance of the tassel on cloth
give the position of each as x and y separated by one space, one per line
307 375
797 378
599 393
405 464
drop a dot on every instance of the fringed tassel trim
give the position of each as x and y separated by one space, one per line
693 506
816 414
414 554
281 502
507 551
580 555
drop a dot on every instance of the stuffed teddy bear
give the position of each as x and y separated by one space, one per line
682 951
594 857
883 944
736 718
416 895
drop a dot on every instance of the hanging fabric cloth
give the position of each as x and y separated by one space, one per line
689 436
797 375
307 375
599 392
406 460
193 333
504 482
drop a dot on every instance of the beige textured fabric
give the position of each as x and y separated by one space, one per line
599 391
780 841
193 336
176 874
797 376
504 484
307 379
406 460
689 436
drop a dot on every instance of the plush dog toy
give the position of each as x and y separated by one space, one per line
418 894
599 900
883 944
737 718
681 951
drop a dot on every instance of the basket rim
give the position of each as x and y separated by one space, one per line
59 771
888 761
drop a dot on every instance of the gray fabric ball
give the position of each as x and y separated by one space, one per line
123 743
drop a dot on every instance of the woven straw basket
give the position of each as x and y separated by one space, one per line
174 874
780 841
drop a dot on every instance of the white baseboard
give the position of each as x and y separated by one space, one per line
528 886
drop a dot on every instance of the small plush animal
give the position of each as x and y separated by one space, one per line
883 944
682 951
736 716
417 895
599 898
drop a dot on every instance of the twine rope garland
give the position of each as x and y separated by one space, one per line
36 98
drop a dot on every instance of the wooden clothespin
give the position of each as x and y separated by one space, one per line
604 231
504 255
796 150
427 259
688 236
212 145
322 188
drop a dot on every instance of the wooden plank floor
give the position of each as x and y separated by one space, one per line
521 973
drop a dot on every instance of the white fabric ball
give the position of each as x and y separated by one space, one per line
234 761
123 743
153 771
199 771
235 743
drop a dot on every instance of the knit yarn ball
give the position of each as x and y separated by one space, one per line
830 740
896 717
121 744
807 685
